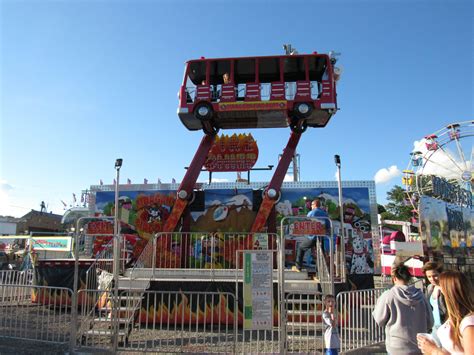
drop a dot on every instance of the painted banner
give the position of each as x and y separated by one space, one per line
445 224
233 210
51 243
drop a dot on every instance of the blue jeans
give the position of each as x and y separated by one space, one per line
330 351
305 245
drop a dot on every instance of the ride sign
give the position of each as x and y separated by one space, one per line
232 153
309 227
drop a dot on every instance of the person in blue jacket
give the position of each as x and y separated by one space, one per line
310 242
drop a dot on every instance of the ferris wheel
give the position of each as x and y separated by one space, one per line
447 153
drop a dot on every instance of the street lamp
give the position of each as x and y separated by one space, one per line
337 160
116 246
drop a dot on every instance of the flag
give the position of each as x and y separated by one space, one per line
74 197
129 181
173 181
82 198
101 182
145 181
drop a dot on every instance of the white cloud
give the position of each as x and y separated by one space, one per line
385 175
5 186
219 180
442 162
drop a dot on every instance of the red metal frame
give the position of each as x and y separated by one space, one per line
275 183
187 185
189 180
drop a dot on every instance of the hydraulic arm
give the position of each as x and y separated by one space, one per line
272 193
185 190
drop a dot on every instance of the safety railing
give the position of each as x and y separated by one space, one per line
99 277
165 322
303 322
358 328
201 250
100 322
103 262
43 315
16 277
322 271
11 278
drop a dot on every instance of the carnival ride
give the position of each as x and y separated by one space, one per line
439 184
447 153
295 91
298 91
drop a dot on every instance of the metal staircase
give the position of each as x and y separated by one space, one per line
106 314
115 314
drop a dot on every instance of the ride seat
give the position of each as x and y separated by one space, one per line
303 91
252 92
277 91
203 92
227 93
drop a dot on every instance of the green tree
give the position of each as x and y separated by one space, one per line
398 208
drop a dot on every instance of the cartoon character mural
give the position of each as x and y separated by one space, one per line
362 256
234 210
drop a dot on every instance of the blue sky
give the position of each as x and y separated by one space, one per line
86 82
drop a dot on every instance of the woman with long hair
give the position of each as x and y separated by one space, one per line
435 297
457 333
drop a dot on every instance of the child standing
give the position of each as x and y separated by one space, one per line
331 335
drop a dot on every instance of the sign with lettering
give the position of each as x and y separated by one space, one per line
446 191
232 153
309 227
258 289
51 243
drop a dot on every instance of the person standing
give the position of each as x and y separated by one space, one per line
332 342
456 335
435 297
403 311
309 243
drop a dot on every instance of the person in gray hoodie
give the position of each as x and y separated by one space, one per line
404 312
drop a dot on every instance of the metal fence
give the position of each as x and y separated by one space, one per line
16 277
303 325
165 321
358 328
11 278
200 250
36 313
191 322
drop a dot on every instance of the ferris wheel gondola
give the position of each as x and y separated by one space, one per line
447 153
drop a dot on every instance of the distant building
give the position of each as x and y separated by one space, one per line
36 221
8 225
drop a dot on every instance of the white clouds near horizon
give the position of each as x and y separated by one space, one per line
386 174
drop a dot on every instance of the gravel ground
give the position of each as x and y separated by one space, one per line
46 323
